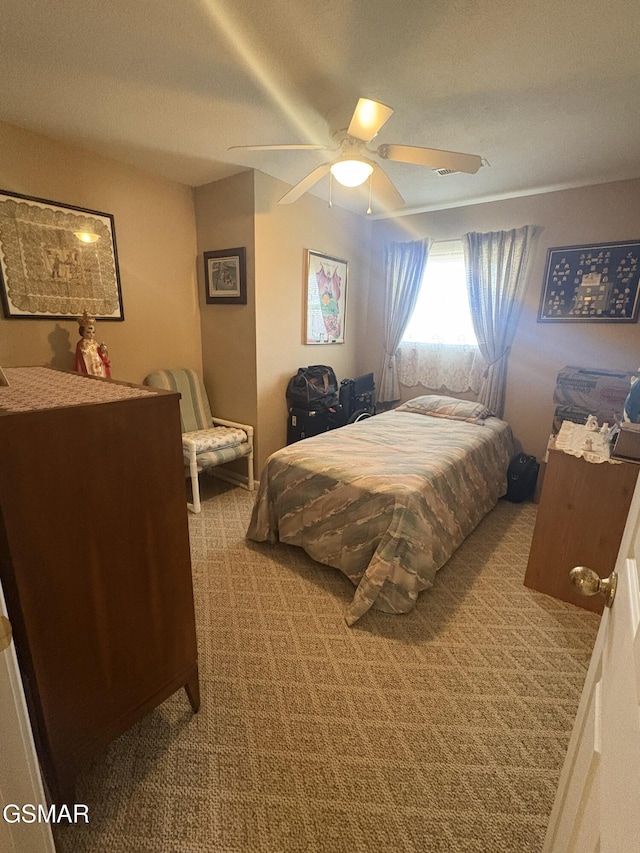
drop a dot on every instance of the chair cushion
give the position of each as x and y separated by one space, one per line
215 438
226 454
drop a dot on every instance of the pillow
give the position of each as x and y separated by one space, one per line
447 407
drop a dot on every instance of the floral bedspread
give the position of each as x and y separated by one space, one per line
386 500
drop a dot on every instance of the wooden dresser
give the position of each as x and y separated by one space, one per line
581 516
94 559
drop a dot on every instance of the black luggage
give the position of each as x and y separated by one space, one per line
357 398
313 388
522 476
303 424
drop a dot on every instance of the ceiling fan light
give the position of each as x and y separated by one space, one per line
351 173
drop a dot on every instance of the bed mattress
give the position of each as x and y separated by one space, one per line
386 501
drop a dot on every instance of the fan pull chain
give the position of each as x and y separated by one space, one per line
370 186
330 188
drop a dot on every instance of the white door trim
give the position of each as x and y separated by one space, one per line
20 780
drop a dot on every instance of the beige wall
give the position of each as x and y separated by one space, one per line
225 220
250 351
589 215
283 232
259 346
246 352
155 235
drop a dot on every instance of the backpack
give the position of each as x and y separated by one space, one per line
313 388
522 475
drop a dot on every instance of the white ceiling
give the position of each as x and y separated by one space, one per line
548 92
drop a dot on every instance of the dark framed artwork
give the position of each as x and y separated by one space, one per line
57 261
325 298
588 284
225 277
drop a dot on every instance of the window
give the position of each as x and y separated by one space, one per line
442 314
439 349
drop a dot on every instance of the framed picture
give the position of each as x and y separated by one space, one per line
225 277
325 298
57 261
586 284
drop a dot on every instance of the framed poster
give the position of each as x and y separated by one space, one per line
584 284
57 261
325 298
225 277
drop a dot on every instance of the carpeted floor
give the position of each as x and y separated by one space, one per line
441 730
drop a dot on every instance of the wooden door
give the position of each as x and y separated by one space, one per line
597 802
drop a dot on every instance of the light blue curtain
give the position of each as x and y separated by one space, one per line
404 265
497 265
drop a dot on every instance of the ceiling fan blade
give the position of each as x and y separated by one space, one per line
384 193
368 118
281 148
306 183
432 157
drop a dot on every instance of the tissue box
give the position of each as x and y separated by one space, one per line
627 444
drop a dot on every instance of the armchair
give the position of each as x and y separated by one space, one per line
206 441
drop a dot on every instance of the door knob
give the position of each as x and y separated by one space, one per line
588 582
5 633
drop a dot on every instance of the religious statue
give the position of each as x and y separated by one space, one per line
91 357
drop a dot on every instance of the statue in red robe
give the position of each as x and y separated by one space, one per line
91 357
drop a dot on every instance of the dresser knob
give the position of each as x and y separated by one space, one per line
588 582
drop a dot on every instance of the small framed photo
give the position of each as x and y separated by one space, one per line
225 277
325 298
57 260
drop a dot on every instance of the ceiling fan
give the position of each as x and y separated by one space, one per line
353 165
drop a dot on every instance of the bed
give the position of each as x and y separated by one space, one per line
387 500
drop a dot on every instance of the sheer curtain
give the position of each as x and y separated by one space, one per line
497 265
447 367
404 265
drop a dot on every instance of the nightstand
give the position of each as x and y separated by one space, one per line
581 516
